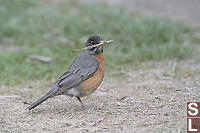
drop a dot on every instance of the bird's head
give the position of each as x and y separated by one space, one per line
93 40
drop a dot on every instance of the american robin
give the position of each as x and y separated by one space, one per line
83 76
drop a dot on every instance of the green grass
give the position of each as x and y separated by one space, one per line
48 27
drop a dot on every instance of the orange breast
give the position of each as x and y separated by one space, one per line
92 83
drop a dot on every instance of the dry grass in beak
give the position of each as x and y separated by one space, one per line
89 47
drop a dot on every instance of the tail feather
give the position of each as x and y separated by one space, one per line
41 100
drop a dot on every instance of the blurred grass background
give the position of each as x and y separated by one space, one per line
55 28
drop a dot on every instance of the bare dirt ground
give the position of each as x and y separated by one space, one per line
186 11
149 99
143 99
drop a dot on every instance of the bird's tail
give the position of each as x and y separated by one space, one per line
41 100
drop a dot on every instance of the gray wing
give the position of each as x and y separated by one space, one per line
81 69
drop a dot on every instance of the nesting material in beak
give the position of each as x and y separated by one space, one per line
89 47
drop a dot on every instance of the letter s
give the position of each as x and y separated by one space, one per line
193 108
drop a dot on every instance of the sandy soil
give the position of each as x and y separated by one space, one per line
147 99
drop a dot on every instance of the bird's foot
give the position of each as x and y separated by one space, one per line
79 99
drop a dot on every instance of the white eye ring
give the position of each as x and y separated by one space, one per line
92 42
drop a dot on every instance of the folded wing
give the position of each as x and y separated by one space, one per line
81 69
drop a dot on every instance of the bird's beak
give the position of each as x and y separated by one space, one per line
106 42
102 43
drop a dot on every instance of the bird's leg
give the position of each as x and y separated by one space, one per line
79 99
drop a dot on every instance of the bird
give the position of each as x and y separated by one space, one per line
83 76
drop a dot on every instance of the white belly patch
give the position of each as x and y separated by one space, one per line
73 92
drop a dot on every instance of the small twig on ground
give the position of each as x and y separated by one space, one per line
174 68
89 47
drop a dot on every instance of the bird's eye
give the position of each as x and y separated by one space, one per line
92 42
